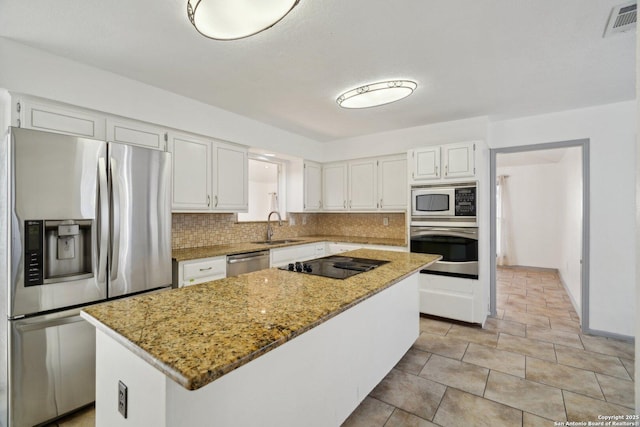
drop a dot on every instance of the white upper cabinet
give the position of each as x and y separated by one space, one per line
133 132
208 175
459 160
59 118
392 183
230 178
443 162
191 158
304 186
312 186
425 163
334 186
363 185
372 184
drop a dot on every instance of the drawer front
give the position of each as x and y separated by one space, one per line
447 304
447 284
210 269
283 256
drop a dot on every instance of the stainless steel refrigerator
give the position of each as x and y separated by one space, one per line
83 221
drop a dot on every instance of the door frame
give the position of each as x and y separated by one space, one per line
584 273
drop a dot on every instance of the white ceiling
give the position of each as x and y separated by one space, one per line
497 58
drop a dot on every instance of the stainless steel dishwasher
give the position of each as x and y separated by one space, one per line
247 262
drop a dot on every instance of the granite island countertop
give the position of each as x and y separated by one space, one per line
187 254
196 334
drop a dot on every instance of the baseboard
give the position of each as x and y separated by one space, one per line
609 335
577 309
527 267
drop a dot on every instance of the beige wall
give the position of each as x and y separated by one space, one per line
207 229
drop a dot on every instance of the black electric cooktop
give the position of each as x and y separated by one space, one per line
334 266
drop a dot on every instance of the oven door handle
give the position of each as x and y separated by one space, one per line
446 232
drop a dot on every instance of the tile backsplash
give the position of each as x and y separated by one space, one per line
207 229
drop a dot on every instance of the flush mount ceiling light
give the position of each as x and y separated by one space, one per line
375 94
236 19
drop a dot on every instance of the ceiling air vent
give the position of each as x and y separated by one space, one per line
622 19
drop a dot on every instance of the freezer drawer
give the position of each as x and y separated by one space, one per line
51 367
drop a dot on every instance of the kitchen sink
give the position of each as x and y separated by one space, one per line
275 242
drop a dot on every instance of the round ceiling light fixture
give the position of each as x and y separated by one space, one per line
236 19
374 94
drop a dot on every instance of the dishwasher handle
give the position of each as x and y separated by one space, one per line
233 259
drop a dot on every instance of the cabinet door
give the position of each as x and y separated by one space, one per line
392 183
230 178
135 133
334 187
426 163
60 119
363 194
459 160
191 173
312 186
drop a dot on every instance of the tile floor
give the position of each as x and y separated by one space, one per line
529 366
84 418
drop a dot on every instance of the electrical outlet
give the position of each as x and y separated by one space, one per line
304 220
385 221
122 399
292 220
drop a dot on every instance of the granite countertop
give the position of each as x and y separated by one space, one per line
196 334
187 254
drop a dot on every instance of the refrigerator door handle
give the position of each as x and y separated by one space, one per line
26 327
103 217
115 217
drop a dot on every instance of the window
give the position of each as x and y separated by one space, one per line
265 184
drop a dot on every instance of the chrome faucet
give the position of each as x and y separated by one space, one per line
269 228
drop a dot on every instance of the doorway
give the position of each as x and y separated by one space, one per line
544 213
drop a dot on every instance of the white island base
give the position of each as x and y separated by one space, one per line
316 379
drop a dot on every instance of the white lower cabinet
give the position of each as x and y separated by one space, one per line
283 256
451 297
333 248
187 273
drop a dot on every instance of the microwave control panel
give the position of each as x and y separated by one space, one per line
465 203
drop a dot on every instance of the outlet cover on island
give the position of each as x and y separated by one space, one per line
385 221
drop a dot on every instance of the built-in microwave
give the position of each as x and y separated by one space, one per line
444 201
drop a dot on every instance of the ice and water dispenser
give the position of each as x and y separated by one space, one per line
57 251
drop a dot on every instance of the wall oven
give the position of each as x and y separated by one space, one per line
443 221
457 245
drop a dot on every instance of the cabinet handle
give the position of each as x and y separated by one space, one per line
436 170
208 200
349 204
215 205
446 170
380 202
205 269
344 204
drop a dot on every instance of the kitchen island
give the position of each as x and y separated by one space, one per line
271 347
